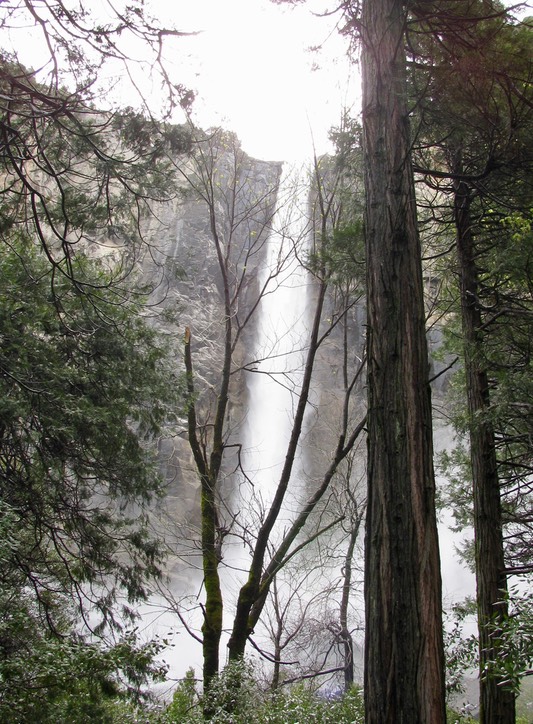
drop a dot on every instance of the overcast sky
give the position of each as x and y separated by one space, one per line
250 63
254 73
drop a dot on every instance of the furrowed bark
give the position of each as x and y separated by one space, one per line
497 703
404 663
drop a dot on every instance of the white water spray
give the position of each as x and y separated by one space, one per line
283 330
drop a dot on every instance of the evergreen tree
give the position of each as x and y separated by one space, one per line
474 113
404 661
86 382
85 389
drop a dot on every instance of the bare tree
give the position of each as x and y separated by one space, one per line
240 219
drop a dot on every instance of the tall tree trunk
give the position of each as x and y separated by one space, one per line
277 634
497 704
404 662
213 611
212 626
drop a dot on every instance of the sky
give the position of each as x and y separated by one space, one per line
248 61
253 72
250 64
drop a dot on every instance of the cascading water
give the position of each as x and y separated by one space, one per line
283 326
274 375
275 366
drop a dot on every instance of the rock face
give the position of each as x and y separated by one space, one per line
216 227
212 239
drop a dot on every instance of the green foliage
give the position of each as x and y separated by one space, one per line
301 704
515 637
85 386
455 468
83 47
151 140
505 294
236 697
232 694
348 141
337 255
340 256
61 676
455 717
185 705
71 681
74 176
461 649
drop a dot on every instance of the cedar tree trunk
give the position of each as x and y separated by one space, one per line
497 704
404 662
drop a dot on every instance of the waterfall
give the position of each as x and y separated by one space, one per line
275 371
274 364
282 331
